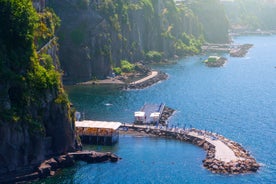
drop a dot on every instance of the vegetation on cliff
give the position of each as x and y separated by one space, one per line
124 67
99 34
33 105
212 16
252 14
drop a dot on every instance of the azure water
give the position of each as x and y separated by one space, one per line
237 101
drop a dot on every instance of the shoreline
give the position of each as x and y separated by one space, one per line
51 166
148 80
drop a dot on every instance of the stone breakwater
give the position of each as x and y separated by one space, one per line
240 51
234 50
51 166
149 82
223 155
166 114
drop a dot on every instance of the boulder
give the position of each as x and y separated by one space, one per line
114 158
215 167
65 161
44 170
206 146
53 163
201 142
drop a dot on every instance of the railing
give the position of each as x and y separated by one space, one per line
46 45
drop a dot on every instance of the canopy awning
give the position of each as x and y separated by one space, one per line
139 114
98 124
155 115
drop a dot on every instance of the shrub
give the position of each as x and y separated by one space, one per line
117 71
154 56
126 66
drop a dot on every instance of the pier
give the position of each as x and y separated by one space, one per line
223 155
149 114
233 49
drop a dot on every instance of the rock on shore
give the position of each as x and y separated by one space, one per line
50 166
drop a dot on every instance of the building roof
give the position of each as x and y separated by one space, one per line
155 115
98 124
139 114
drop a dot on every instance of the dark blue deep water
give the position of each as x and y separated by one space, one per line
237 101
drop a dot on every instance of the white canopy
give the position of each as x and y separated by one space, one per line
98 124
155 115
139 114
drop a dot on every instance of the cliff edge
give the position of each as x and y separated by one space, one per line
36 120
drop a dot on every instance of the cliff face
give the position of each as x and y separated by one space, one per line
251 14
35 116
24 145
212 16
95 36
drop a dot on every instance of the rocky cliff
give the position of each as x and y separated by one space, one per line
211 15
36 120
96 35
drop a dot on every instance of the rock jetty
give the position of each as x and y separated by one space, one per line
51 166
166 114
223 155
148 82
241 51
234 50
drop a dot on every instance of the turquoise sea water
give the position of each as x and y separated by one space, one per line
237 101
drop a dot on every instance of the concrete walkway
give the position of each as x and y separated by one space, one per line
222 153
153 74
116 81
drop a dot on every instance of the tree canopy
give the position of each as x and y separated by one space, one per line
24 79
18 21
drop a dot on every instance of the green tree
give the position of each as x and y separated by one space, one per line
18 21
213 18
23 79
